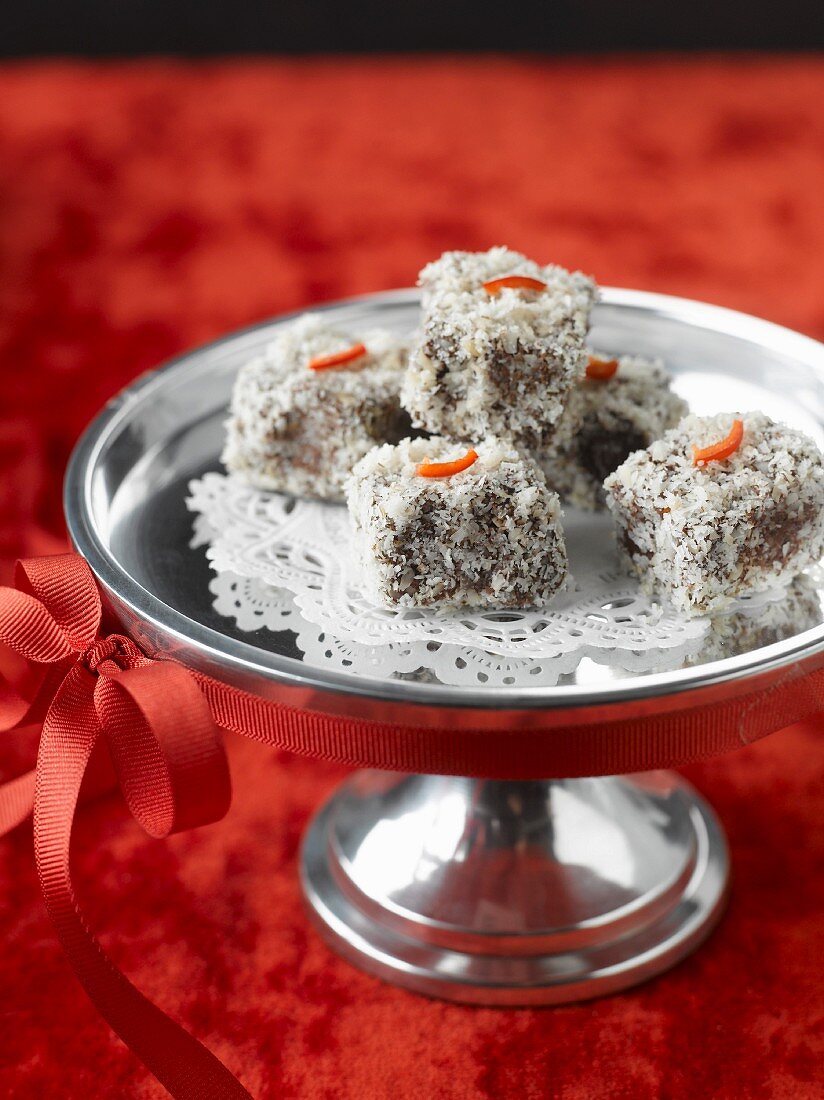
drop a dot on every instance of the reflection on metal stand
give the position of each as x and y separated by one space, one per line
496 892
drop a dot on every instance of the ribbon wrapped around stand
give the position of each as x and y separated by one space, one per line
161 724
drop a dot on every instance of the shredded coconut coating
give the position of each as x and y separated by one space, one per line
487 537
301 431
603 423
701 535
498 364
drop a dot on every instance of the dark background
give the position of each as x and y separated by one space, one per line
202 27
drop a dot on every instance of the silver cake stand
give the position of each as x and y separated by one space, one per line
497 889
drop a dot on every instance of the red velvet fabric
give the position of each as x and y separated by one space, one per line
146 208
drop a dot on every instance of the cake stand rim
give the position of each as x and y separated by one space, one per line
192 642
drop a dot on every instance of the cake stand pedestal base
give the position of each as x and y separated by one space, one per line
507 893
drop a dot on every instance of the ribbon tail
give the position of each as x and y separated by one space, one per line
183 1065
17 795
16 711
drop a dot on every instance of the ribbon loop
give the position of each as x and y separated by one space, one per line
167 750
66 587
29 629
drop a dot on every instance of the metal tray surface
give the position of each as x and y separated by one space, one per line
127 482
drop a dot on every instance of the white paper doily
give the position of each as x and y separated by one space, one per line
277 558
305 547
253 605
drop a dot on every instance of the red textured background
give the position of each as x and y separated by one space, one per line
147 208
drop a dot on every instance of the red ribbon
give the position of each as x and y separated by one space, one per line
160 723
170 765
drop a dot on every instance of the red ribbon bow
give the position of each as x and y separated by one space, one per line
170 764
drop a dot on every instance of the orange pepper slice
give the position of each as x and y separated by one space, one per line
723 449
446 469
517 282
601 369
324 362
